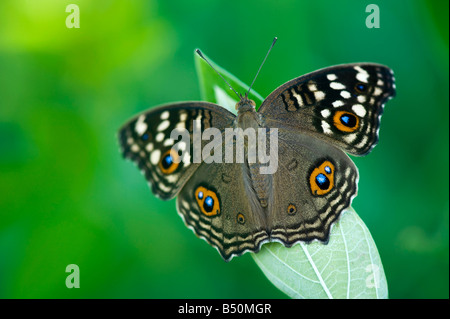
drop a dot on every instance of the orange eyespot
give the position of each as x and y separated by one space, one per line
240 218
346 121
292 209
208 201
321 180
169 162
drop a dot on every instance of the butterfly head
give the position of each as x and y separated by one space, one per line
245 104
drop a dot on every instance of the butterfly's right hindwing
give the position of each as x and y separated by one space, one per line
146 140
314 183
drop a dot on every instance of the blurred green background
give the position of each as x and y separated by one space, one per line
66 195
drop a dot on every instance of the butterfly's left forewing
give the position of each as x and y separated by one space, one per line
146 140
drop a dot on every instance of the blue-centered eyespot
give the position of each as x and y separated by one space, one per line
348 120
345 121
207 201
321 180
361 87
169 162
208 204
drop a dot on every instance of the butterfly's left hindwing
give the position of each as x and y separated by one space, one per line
218 205
146 140
341 105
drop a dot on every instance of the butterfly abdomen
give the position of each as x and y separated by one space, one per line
260 183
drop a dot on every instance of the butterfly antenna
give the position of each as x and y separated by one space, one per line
201 55
273 43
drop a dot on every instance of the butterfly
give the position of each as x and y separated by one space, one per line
318 118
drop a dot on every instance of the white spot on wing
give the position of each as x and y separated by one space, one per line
337 103
185 204
362 143
135 148
181 125
362 74
363 77
361 98
168 142
345 94
165 115
325 113
164 188
359 110
350 138
377 91
149 147
331 77
298 97
319 95
163 125
141 126
159 137
183 116
155 156
172 178
347 173
312 87
326 127
337 86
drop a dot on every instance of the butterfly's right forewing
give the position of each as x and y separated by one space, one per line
341 105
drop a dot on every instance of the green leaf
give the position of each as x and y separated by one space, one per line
214 89
348 266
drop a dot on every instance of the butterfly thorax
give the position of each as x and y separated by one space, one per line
247 115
